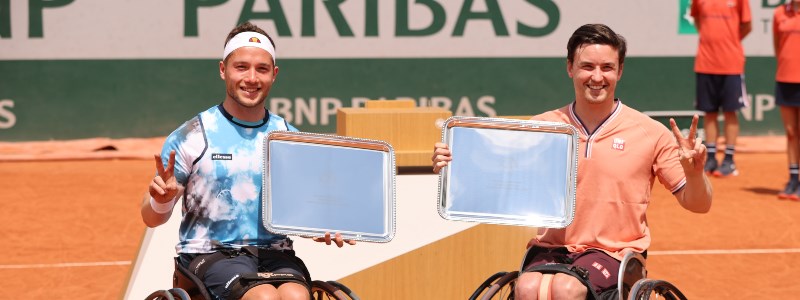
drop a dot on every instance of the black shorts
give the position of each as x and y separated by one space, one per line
602 268
221 274
715 92
787 94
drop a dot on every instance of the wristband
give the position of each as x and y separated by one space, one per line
161 208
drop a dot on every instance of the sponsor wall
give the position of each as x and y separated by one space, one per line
77 69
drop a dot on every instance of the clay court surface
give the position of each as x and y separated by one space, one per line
71 227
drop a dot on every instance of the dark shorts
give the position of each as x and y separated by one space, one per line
715 92
222 273
787 94
603 269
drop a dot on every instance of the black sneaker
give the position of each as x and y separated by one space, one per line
711 166
789 191
728 168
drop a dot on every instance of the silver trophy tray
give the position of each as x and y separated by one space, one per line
509 172
315 183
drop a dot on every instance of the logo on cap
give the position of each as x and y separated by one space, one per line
255 40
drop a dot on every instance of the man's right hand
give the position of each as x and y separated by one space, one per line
441 156
164 187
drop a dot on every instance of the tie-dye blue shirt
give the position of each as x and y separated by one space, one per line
219 161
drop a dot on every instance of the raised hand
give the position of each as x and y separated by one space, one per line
691 151
164 187
337 239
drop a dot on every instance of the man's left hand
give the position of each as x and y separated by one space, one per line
691 151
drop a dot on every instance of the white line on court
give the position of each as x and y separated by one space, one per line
723 251
661 252
69 265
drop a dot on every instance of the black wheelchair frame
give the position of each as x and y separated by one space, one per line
187 286
632 284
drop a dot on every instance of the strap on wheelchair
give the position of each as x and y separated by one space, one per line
200 264
575 271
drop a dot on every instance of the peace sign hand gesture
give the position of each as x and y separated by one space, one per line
164 187
691 151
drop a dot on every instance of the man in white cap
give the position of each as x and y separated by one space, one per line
213 161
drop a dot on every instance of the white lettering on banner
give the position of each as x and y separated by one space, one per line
328 107
762 103
483 105
7 114
464 107
321 111
305 109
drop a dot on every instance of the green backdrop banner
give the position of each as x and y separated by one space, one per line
68 99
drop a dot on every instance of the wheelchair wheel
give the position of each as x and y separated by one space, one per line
646 289
498 286
160 295
345 289
180 294
322 290
171 294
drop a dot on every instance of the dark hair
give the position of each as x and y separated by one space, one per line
247 27
595 34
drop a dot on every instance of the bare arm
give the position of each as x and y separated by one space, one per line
164 192
697 193
776 37
745 29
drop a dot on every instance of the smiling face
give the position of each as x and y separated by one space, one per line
248 73
595 71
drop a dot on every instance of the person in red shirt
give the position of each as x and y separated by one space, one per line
786 39
614 183
719 68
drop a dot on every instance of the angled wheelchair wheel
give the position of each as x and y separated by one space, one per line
498 286
179 293
344 289
171 294
655 289
325 290
160 295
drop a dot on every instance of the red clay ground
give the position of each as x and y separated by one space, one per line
86 211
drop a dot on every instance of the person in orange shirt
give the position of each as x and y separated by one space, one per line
719 68
786 39
621 151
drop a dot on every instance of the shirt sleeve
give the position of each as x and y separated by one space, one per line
744 14
189 143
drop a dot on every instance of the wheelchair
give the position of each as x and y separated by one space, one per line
632 284
187 286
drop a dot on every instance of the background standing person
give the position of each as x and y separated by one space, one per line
719 68
786 39
621 152
214 162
